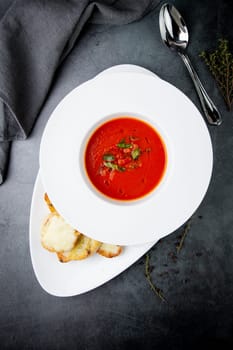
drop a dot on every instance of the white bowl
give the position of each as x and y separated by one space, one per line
188 143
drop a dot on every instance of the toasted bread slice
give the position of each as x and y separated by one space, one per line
94 246
49 204
57 235
109 250
83 248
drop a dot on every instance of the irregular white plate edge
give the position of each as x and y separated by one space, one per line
127 68
142 248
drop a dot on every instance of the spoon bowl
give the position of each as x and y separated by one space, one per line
174 31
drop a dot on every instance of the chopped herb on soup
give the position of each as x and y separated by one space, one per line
125 158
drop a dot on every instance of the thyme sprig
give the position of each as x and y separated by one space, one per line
185 231
220 64
154 288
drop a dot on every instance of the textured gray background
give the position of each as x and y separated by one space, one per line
197 282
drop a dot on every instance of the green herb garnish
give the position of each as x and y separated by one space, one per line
135 153
111 165
123 144
108 157
114 166
220 64
184 234
154 288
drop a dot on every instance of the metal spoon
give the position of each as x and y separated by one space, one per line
175 35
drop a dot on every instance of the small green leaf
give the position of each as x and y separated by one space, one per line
123 144
135 153
111 165
114 166
108 157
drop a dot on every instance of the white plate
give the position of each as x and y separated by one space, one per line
190 158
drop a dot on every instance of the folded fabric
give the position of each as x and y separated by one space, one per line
35 37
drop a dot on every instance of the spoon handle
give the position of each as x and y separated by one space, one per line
210 110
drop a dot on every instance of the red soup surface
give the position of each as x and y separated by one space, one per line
125 158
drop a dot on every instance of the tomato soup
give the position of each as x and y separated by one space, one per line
125 158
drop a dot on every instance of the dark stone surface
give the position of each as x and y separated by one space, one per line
197 283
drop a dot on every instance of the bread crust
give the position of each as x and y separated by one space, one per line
83 248
49 204
109 250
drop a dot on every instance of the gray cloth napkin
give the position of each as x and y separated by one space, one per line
35 37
